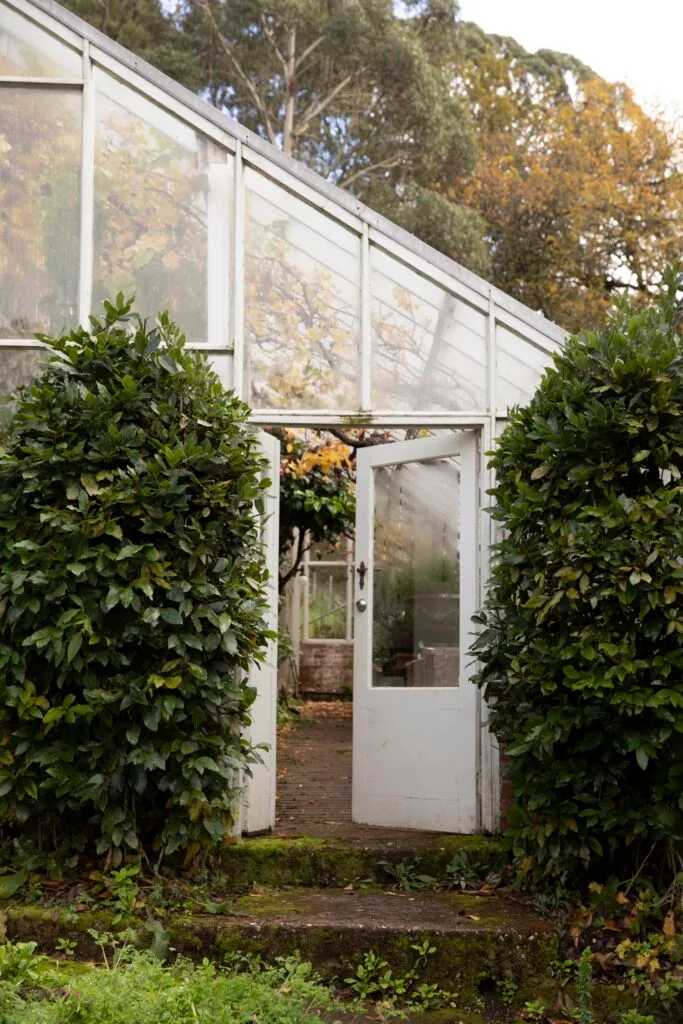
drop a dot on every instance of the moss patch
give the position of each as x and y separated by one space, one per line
273 862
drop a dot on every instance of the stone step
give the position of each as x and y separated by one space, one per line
481 942
275 861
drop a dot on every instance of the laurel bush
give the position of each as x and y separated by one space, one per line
131 595
581 653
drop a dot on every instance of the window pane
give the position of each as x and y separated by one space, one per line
327 602
151 181
416 575
40 158
18 366
519 366
302 303
28 51
429 348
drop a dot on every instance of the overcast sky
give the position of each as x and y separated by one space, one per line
640 43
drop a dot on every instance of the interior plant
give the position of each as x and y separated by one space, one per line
131 595
580 649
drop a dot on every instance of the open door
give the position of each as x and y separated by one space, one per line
415 715
258 805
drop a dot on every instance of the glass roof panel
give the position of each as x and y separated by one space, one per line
519 366
429 349
151 235
26 50
302 302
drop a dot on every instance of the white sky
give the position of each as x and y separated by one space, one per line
639 42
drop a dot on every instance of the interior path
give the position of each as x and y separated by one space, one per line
314 782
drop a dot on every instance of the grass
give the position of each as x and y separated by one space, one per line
136 988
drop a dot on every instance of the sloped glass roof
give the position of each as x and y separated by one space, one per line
313 307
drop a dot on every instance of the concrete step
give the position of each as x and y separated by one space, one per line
481 942
275 861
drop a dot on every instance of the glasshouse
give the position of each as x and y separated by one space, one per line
319 314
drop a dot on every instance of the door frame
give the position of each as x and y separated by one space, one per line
485 429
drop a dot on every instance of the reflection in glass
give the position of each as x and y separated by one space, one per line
151 208
416 574
302 303
429 348
28 51
18 366
327 601
40 157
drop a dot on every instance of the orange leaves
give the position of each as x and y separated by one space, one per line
581 188
327 455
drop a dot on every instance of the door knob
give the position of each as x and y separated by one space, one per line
361 604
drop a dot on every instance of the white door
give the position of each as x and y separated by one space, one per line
415 710
258 806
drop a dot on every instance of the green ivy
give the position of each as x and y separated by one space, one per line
581 653
131 595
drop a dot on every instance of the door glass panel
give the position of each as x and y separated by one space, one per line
416 577
40 161
28 51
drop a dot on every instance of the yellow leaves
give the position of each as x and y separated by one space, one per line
669 926
330 458
165 682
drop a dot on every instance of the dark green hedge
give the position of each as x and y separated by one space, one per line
581 648
131 595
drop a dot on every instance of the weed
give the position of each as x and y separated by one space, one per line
406 876
374 980
460 872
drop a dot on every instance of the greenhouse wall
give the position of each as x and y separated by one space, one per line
315 308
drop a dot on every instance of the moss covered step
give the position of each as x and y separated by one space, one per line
479 940
310 861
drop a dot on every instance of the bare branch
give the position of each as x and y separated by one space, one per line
380 165
308 51
322 105
260 104
354 442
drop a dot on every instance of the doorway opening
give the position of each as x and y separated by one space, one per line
375 620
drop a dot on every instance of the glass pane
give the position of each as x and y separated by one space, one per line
519 366
416 578
429 348
302 303
327 602
27 50
151 183
40 149
18 366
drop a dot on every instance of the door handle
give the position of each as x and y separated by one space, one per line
361 604
361 570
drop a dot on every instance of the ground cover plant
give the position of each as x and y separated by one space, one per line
131 597
134 986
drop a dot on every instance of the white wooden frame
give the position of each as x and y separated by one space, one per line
464 810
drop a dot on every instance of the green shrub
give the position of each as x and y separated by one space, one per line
581 654
131 594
